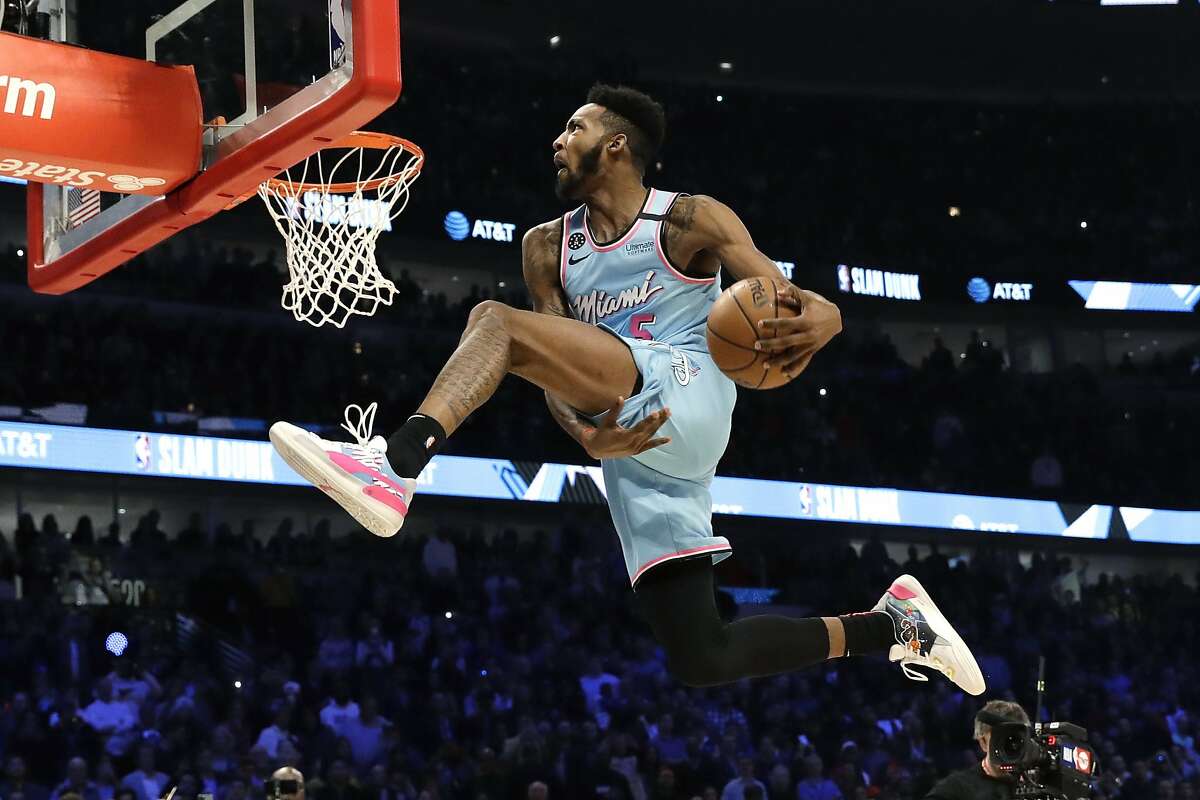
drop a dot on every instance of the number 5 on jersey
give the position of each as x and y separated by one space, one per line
638 324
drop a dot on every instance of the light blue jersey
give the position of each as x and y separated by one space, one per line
659 499
630 285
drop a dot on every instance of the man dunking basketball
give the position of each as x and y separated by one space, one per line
621 288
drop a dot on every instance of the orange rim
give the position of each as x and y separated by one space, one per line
366 141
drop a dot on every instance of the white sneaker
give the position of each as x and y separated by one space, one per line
358 476
924 638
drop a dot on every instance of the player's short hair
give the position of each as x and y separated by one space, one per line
636 114
1001 708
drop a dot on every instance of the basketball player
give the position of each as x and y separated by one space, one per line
622 286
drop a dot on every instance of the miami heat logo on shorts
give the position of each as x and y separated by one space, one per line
682 367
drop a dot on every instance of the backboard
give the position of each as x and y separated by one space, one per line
278 79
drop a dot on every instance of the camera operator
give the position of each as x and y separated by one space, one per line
985 781
286 783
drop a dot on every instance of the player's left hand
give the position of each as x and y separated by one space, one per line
794 340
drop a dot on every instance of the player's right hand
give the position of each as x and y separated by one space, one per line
610 440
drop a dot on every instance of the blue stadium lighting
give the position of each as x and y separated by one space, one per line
116 643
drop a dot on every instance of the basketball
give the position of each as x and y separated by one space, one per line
733 330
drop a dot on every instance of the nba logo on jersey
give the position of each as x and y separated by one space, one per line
682 367
141 451
805 499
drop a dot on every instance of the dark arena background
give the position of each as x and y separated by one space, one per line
1003 198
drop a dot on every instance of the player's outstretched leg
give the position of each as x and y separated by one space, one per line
703 650
373 478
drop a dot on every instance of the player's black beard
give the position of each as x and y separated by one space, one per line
569 188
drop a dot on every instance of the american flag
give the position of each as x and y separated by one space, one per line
82 205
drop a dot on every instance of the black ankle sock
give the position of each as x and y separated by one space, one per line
417 441
869 632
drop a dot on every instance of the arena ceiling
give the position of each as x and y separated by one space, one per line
988 48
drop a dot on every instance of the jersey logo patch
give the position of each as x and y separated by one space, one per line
573 260
639 248
575 241
682 366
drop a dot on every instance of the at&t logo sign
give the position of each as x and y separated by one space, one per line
981 291
459 227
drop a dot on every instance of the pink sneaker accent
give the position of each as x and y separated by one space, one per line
901 592
352 466
387 498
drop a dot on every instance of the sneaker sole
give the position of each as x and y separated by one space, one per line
310 462
942 627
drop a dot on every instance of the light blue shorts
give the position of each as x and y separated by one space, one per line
660 500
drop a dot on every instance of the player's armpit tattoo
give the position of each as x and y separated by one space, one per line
680 220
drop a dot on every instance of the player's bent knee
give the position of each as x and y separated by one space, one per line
488 312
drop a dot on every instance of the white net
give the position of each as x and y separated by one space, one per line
331 220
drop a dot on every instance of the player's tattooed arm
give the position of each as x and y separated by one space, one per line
680 220
541 250
792 340
700 223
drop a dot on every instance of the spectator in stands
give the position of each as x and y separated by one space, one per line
779 782
77 782
146 782
115 719
15 781
366 733
340 707
440 557
336 653
592 681
279 731
672 748
129 684
375 651
340 784
736 788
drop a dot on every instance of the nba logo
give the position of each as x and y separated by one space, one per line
843 277
805 499
141 451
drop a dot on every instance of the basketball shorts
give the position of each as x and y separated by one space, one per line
660 500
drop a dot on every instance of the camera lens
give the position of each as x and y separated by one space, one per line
1013 745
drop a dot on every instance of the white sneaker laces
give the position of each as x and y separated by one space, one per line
361 430
911 673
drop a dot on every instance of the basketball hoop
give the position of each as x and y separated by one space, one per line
331 225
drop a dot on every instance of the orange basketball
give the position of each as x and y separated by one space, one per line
733 330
